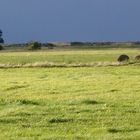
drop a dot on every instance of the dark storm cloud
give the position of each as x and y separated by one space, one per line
70 20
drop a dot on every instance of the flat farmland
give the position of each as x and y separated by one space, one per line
67 56
97 103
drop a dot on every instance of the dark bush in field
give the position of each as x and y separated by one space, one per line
123 58
51 45
1 40
34 46
137 57
1 47
77 43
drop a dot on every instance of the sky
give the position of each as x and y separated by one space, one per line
70 20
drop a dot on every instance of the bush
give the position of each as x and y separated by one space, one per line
51 45
1 47
77 43
1 40
34 46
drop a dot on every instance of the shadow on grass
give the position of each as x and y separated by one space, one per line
114 90
7 121
27 102
113 130
15 87
54 92
60 120
18 102
84 101
91 102
11 120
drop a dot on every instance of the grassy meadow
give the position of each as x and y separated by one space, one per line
95 103
66 56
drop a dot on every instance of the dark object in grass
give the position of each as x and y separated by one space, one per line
137 57
123 57
1 47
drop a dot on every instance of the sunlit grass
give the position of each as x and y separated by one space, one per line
70 103
67 56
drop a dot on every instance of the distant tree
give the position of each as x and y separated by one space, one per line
34 45
51 45
77 43
1 39
0 33
1 47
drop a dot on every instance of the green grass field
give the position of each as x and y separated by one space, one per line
67 56
95 103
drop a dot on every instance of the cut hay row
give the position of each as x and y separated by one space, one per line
52 64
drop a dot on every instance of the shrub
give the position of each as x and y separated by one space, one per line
77 43
51 45
1 40
34 46
1 47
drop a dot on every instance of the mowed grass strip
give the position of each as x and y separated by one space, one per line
70 103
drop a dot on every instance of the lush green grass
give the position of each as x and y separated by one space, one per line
70 103
67 56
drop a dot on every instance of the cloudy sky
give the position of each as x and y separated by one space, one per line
70 20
